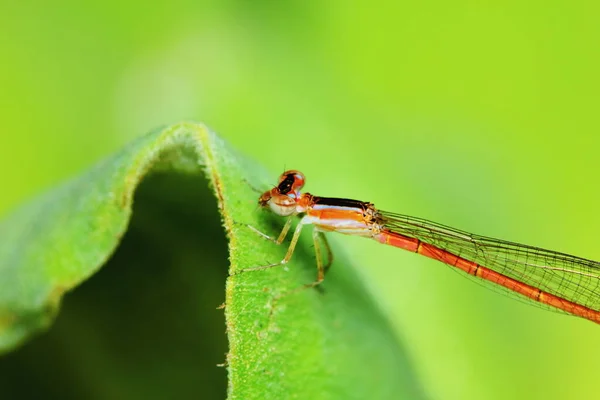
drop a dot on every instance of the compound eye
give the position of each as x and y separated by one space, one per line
290 181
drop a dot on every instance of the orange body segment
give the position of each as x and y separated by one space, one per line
403 242
480 271
335 214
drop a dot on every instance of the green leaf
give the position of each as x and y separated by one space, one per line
153 303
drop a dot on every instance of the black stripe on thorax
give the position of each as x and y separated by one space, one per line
339 202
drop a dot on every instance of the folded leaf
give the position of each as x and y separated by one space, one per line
147 302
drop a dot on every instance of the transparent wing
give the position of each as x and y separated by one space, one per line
572 278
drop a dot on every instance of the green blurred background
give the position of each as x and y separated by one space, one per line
479 115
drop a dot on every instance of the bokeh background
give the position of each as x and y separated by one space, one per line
478 115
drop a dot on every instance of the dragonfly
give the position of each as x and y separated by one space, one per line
550 279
